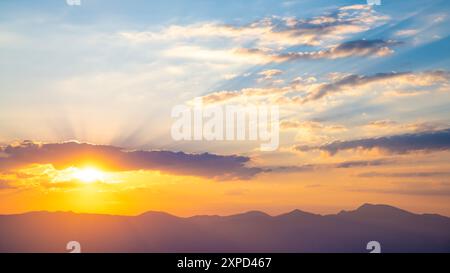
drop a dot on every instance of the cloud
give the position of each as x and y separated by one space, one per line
312 132
310 126
356 7
312 90
74 154
354 81
376 47
269 74
407 32
271 31
397 144
363 163
357 48
381 123
339 165
396 80
389 126
294 168
222 96
268 39
405 174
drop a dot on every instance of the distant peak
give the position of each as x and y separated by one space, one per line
156 214
251 214
255 212
297 212
375 209
368 206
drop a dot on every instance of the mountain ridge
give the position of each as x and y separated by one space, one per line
294 211
254 231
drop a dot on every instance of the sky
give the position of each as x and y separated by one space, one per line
87 92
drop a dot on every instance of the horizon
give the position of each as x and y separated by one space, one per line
233 214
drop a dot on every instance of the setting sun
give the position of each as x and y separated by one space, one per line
89 175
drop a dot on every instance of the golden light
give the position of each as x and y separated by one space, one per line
89 175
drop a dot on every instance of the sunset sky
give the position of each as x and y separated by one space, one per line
86 94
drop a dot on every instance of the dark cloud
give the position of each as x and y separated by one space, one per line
349 81
397 144
363 163
362 45
340 165
64 155
405 174
348 49
293 168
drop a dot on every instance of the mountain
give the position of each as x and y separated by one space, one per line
297 231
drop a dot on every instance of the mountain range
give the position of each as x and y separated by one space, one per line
347 231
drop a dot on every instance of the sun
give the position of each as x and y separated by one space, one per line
89 175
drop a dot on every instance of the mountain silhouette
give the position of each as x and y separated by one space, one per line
297 231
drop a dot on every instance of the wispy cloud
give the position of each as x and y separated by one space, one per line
268 39
405 174
303 91
407 32
357 48
272 31
339 165
269 74
390 126
427 78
